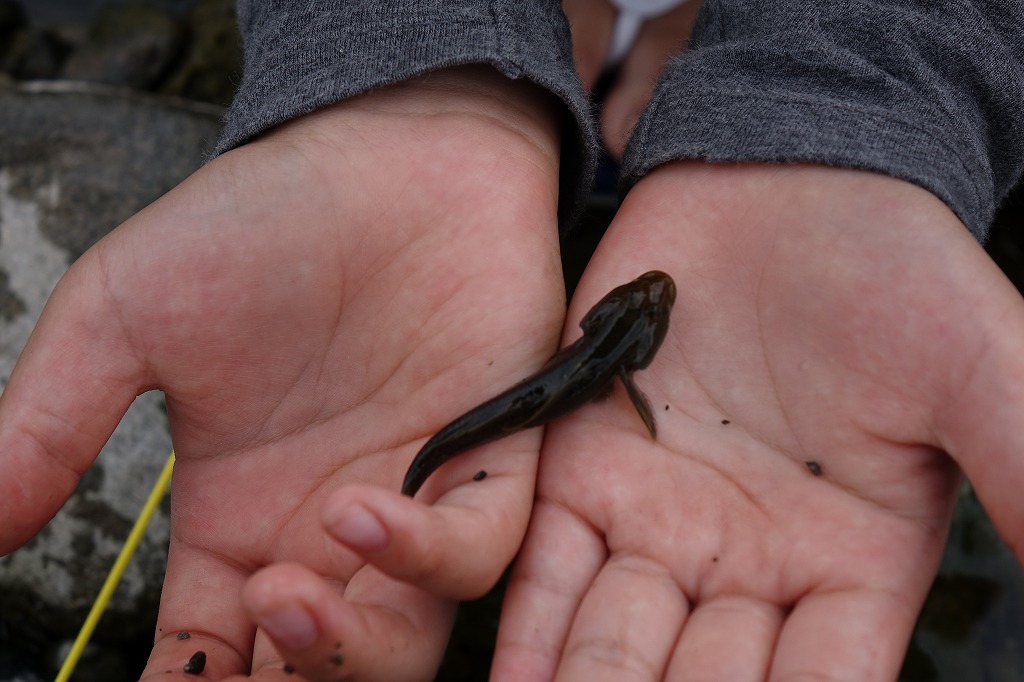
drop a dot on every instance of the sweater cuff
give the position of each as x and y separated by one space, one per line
889 87
300 57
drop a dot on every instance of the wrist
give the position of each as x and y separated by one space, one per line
515 119
741 213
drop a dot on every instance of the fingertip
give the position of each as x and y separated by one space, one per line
362 517
322 633
303 617
391 531
357 527
277 603
455 551
32 490
70 387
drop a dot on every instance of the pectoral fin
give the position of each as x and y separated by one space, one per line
639 401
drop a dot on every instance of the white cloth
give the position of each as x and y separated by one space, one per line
632 14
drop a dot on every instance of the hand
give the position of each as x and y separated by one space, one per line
827 316
314 305
591 23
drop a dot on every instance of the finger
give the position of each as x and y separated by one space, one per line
636 643
456 548
201 598
659 39
846 635
379 630
591 23
559 559
73 382
178 656
727 638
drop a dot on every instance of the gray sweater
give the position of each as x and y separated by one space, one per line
931 91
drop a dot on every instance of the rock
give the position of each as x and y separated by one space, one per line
34 53
212 60
186 48
129 45
11 18
75 161
970 627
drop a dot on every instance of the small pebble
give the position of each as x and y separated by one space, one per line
183 635
196 664
725 421
480 475
814 467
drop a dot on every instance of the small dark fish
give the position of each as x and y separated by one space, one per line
621 334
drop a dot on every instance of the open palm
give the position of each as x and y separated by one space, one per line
837 341
314 305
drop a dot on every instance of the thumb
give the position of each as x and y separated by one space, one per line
983 428
74 380
456 548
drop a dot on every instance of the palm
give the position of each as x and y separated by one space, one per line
715 552
311 322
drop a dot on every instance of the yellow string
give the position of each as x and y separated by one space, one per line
130 545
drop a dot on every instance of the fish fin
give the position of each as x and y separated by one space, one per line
639 401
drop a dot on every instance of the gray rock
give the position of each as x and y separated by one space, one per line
74 162
129 45
211 64
11 17
53 12
971 627
33 53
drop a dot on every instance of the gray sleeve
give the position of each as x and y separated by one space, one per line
930 91
301 55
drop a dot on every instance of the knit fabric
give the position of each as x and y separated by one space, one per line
301 55
931 91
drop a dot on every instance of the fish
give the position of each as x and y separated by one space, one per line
621 334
